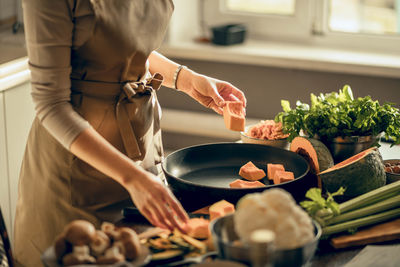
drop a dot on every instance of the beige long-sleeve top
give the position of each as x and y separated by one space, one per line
63 42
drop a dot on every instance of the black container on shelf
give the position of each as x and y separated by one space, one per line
228 34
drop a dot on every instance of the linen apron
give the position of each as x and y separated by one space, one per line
55 186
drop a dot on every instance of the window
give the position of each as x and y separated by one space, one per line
279 7
358 24
370 17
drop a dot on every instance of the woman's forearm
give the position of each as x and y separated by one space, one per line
92 148
148 193
167 68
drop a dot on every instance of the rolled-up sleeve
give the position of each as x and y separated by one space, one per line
48 30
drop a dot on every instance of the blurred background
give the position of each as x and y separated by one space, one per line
291 48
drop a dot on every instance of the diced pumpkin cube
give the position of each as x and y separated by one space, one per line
283 176
250 172
220 208
272 168
245 184
234 115
198 228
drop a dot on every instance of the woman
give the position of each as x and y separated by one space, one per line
95 144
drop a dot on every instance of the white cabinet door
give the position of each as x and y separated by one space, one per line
4 185
19 114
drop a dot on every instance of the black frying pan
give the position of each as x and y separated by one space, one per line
200 175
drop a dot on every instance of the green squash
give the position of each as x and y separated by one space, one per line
359 174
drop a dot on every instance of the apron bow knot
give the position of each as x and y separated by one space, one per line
123 92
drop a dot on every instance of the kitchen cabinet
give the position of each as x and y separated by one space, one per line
16 116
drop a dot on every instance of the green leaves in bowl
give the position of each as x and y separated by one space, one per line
339 114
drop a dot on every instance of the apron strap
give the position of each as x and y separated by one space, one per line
121 93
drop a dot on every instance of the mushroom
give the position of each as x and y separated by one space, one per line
61 247
80 232
110 230
111 255
79 255
129 243
100 243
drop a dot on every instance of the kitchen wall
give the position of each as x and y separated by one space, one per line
7 11
266 86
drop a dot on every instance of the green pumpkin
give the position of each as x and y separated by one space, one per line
359 174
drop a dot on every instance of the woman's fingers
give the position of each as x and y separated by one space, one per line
216 108
162 215
239 94
177 208
149 216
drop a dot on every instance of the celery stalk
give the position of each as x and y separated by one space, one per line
370 197
383 205
372 219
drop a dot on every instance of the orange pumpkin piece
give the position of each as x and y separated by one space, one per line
203 210
250 172
272 168
220 208
245 184
283 176
198 228
234 115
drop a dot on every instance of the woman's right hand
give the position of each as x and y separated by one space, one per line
156 202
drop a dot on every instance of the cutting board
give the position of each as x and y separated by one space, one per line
379 233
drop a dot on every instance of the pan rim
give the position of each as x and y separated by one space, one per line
255 189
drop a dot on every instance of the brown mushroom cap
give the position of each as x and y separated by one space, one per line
100 243
80 232
131 243
111 230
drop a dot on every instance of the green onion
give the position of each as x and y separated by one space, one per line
386 204
372 219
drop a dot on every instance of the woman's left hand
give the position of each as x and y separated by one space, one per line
209 92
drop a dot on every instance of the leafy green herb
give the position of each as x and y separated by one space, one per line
339 114
318 207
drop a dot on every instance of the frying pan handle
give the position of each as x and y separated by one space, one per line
133 213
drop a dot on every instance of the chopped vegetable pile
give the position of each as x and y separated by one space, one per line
339 114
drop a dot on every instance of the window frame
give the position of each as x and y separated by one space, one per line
309 25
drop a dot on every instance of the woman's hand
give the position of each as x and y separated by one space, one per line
156 202
209 92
